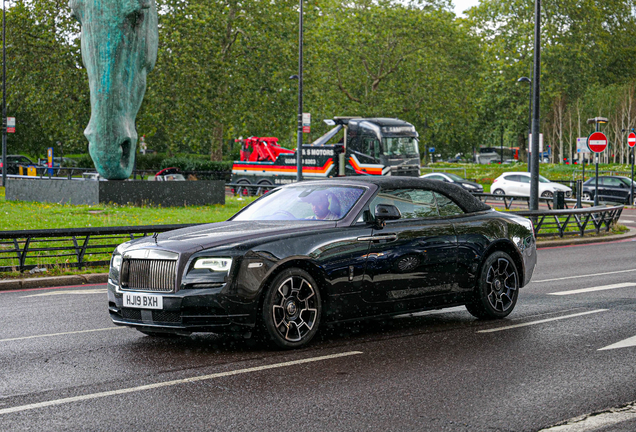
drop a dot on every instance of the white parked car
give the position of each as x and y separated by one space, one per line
518 184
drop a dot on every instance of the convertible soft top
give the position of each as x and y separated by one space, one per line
466 200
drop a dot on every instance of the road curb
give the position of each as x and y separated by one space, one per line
100 278
53 281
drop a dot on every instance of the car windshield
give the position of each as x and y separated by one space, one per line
455 177
626 181
543 179
303 203
400 146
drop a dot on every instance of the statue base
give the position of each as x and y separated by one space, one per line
92 192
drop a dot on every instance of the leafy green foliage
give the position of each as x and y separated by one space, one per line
223 72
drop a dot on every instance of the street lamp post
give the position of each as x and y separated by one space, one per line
534 166
299 141
529 81
4 96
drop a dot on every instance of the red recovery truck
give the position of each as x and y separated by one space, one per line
366 146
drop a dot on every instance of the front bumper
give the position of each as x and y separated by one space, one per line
184 312
529 256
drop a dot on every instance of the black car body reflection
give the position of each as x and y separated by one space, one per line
325 251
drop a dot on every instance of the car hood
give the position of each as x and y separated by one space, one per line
206 236
473 184
559 187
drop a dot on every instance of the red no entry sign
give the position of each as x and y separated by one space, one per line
597 142
631 139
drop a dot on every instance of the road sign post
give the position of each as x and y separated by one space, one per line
597 143
582 150
631 141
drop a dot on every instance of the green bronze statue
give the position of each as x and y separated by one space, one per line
119 48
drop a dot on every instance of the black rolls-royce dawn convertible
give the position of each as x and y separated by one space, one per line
325 251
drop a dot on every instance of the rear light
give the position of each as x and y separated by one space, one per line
495 180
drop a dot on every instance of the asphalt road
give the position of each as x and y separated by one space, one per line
568 349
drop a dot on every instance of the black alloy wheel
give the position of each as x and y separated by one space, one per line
498 288
291 309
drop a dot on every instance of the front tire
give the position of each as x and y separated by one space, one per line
292 308
547 194
586 196
497 288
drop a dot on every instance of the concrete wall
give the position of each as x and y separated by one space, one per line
89 192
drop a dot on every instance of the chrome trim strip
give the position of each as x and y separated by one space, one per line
153 254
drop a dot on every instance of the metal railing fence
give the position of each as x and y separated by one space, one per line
585 220
509 200
77 247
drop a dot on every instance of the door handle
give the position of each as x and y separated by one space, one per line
379 237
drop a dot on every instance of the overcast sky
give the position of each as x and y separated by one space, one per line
462 5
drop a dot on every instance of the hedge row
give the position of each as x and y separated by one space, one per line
157 161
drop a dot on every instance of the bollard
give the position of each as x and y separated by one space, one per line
558 200
579 192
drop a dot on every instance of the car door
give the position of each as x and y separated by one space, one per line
413 257
514 186
615 190
523 188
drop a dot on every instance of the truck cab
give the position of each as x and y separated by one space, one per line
381 146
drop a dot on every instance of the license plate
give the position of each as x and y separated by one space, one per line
143 301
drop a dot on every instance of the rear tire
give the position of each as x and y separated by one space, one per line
499 192
292 308
497 289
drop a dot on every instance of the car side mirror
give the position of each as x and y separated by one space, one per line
386 212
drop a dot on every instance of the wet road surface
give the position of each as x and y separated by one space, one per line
568 349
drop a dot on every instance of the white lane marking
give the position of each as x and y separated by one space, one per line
432 312
626 221
584 276
61 334
172 383
629 342
67 292
597 288
541 321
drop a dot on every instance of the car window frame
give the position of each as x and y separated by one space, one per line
367 209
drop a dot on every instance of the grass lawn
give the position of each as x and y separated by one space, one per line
21 215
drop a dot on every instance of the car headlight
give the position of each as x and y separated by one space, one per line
115 262
214 264
469 186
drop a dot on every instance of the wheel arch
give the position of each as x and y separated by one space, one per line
508 247
304 264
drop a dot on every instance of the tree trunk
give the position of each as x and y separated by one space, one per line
216 147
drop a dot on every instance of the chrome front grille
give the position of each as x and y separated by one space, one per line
149 275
